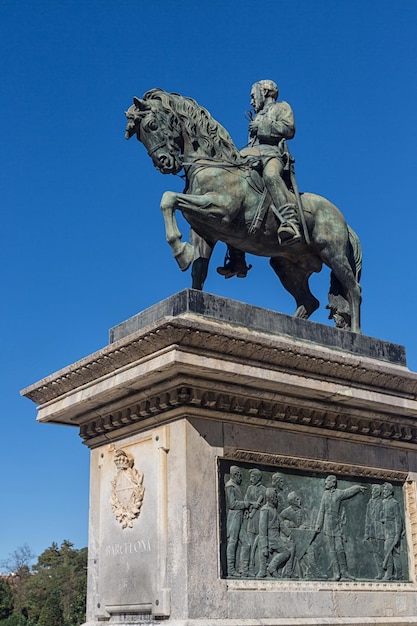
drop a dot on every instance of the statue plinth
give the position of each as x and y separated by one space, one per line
198 385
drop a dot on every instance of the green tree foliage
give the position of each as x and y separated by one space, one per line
19 562
6 599
54 592
52 613
16 620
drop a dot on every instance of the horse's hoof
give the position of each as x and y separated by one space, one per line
185 257
301 313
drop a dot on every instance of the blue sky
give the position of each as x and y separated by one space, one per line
82 243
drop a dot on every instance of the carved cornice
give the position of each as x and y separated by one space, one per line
279 353
313 465
214 403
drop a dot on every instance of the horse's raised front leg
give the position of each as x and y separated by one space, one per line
202 252
209 205
182 251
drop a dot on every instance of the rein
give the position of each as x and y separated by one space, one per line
218 162
156 147
225 165
194 167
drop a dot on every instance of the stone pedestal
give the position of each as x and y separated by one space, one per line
198 385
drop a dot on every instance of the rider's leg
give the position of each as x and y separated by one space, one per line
285 209
234 264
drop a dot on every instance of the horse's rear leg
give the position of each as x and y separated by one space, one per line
295 280
350 287
202 252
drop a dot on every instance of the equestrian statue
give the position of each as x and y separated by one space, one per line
248 199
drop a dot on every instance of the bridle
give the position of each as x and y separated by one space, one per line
152 150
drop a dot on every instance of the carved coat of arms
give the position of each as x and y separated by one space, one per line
127 490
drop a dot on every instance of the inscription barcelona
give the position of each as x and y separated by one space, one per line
293 525
128 547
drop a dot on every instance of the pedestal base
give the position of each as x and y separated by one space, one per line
170 408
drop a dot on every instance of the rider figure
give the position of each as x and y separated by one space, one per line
272 125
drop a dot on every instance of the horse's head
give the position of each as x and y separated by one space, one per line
159 131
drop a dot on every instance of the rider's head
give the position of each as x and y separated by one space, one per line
262 90
269 88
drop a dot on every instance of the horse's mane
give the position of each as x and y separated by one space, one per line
198 123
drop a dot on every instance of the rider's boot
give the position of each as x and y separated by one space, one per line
234 264
289 229
286 212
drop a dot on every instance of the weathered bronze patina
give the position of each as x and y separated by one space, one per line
248 199
297 525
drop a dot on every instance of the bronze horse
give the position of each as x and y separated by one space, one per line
222 200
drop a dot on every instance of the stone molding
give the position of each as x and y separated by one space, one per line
240 344
307 586
215 403
292 621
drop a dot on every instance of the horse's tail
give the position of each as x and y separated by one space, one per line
355 253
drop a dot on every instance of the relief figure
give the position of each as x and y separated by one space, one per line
278 484
275 546
374 529
393 525
296 519
255 497
237 536
330 521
